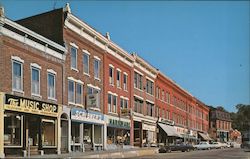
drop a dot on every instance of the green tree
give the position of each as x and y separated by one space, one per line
241 119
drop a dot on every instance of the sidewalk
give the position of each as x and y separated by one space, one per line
127 153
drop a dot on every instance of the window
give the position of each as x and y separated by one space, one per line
138 81
85 63
51 86
125 82
156 111
17 75
35 81
79 94
71 91
48 132
12 129
124 103
92 90
163 95
112 103
150 109
96 69
118 78
157 93
138 106
111 75
150 87
74 58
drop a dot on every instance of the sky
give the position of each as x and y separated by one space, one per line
202 45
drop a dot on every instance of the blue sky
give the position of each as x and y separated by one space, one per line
203 46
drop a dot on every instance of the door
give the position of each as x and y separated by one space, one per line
64 135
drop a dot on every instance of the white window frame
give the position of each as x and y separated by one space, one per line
88 55
73 100
72 67
39 84
98 71
53 74
118 82
19 61
81 96
125 84
111 79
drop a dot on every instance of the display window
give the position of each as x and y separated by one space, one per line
48 132
75 132
118 136
13 126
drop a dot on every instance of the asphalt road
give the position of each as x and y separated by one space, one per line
230 153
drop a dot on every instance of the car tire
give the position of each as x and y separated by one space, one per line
188 150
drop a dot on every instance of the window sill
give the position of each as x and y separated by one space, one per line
151 95
18 91
111 84
53 99
36 95
138 89
86 74
98 79
112 113
119 87
125 90
74 69
96 109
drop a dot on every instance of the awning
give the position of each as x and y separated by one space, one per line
205 137
170 130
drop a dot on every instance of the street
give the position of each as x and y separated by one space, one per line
232 153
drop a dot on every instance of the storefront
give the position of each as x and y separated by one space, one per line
86 130
118 132
30 126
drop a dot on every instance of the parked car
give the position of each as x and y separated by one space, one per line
203 146
176 147
224 145
216 145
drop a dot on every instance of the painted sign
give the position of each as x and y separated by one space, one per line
117 122
93 100
26 105
148 127
87 116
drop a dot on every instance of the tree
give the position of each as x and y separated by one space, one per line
241 119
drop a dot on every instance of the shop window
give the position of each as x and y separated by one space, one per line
75 132
12 129
118 79
97 69
48 132
150 87
125 82
35 81
73 58
111 75
51 86
17 75
86 63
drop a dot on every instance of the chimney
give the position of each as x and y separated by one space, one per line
1 11
67 8
108 36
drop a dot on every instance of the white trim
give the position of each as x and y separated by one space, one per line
149 101
139 97
95 87
86 51
51 71
96 57
16 58
74 45
110 65
145 70
114 94
75 80
138 72
48 121
119 70
125 73
150 79
35 65
124 97
12 73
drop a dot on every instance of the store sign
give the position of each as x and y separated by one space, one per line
125 112
117 122
87 116
149 127
93 100
166 121
26 105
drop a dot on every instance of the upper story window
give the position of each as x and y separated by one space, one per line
124 103
163 95
150 109
73 57
125 82
17 75
51 85
138 81
79 93
86 63
97 68
112 103
71 91
157 94
118 78
96 92
150 87
138 105
35 81
111 75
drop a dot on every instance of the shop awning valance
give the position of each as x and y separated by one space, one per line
205 137
170 130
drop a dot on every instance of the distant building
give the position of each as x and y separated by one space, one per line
220 124
235 136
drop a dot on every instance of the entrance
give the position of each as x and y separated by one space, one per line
64 133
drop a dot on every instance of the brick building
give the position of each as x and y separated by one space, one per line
220 124
31 90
